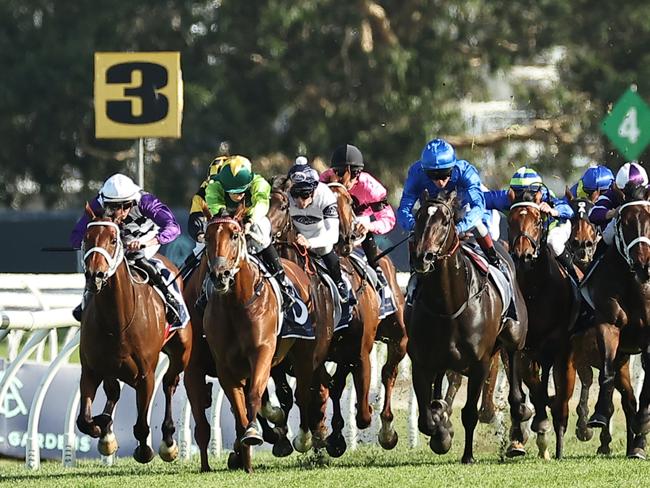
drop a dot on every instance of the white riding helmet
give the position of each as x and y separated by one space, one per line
631 172
119 188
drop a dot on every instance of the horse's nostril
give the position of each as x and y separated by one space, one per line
428 257
226 273
589 244
100 275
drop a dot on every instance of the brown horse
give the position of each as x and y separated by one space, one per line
456 324
352 350
543 281
240 325
619 291
123 330
584 234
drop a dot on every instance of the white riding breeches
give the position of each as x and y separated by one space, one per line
259 235
558 236
609 232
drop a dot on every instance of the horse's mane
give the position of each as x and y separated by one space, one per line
280 183
455 204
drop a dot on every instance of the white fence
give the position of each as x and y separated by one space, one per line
42 304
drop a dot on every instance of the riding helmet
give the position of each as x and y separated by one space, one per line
524 178
119 188
236 174
597 178
631 172
347 155
438 154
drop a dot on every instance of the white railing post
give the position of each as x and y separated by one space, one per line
216 439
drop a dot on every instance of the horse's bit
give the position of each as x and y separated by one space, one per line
114 260
621 245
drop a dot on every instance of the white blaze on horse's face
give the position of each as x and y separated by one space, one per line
432 210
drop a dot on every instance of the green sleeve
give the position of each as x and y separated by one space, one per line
260 198
215 197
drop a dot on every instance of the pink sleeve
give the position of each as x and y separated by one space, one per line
373 192
385 221
326 175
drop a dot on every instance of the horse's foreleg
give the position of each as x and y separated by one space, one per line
196 388
88 385
538 395
643 415
361 374
107 444
634 446
608 338
260 367
488 410
302 367
519 413
422 381
143 393
469 414
234 391
396 352
586 376
335 441
178 359
564 376
320 392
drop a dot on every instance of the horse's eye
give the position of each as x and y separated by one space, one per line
114 241
284 207
235 236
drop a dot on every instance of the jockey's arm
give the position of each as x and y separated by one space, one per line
153 208
497 200
260 198
215 197
564 210
330 234
601 213
382 220
411 193
475 199
196 221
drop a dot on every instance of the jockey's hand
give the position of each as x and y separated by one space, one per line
134 245
544 207
302 241
611 214
247 227
362 228
200 238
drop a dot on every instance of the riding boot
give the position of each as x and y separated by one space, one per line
566 260
369 246
333 264
172 313
271 260
78 310
491 254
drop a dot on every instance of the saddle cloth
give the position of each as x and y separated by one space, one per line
342 311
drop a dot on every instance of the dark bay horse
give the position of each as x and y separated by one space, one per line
351 351
123 330
543 281
584 234
456 324
240 324
619 289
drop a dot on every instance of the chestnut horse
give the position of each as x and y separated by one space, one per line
240 325
456 324
619 291
584 234
543 281
123 330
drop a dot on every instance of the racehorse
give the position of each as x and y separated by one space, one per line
456 324
584 234
352 348
542 281
240 324
123 330
619 291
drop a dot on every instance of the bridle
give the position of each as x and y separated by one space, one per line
623 247
112 260
430 258
582 215
540 224
222 270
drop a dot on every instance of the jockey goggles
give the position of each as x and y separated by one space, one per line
439 174
301 192
113 206
340 171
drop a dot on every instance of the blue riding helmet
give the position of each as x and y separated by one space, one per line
438 154
597 178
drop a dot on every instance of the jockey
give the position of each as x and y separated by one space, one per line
234 184
527 179
595 179
629 179
196 221
314 212
145 223
438 170
374 213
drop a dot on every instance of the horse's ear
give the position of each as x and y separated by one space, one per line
206 211
240 213
89 212
568 194
538 197
619 192
451 196
511 195
424 197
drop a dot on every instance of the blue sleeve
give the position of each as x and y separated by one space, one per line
565 210
411 193
472 183
497 200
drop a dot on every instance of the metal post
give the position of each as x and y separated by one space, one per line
141 162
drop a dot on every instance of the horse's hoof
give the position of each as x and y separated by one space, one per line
363 422
302 442
168 453
637 453
486 416
143 454
540 426
251 437
440 444
273 414
598 421
604 450
336 445
282 448
107 445
234 461
467 460
515 449
584 434
642 425
388 439
271 435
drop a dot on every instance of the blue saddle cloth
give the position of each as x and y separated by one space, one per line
297 322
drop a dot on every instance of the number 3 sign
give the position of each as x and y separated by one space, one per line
138 95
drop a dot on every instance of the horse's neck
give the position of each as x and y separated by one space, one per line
118 297
540 270
246 281
449 283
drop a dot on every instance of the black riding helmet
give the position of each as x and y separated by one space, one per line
347 155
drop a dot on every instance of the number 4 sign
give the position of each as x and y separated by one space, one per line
628 125
138 95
